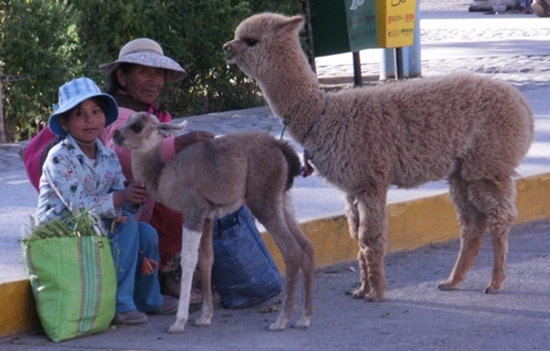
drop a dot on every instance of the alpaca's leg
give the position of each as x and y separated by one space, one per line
364 289
307 265
473 224
206 259
499 234
189 257
372 245
494 203
352 215
501 211
471 235
273 220
496 198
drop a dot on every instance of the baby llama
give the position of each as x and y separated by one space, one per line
212 179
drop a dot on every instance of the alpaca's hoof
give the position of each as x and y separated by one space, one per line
445 286
360 293
374 298
176 328
491 290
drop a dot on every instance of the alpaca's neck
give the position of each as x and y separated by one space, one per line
295 96
147 166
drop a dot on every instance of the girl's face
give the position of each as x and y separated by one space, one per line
142 83
85 122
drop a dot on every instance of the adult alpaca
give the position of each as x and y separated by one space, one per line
212 179
472 131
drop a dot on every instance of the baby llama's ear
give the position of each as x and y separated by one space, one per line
293 24
172 128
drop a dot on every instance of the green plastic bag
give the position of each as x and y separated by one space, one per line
74 284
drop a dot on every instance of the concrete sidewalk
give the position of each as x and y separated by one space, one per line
416 316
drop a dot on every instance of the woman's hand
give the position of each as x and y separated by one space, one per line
198 136
134 192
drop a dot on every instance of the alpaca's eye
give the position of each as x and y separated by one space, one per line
136 128
250 42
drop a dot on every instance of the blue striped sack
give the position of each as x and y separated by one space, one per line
244 271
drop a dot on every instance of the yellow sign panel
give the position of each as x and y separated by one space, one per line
395 21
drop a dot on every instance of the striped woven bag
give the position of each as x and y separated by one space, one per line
74 284
244 271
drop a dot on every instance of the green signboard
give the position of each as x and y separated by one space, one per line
341 26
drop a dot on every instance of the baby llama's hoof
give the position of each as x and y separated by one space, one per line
446 286
201 323
176 328
491 290
276 327
302 323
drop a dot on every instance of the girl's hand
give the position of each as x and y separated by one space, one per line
134 192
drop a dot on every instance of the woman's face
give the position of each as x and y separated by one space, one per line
142 83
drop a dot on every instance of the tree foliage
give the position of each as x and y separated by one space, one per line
45 43
36 40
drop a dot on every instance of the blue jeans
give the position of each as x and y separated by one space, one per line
131 243
526 3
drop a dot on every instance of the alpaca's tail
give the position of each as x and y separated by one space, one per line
293 162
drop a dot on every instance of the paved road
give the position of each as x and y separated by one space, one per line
415 316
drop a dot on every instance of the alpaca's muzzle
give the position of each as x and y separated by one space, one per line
228 52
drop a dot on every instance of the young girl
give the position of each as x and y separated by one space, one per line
80 172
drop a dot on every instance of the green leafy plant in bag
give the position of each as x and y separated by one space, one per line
72 275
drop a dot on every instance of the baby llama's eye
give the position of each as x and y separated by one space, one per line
251 42
136 128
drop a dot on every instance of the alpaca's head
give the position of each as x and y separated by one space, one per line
266 42
144 131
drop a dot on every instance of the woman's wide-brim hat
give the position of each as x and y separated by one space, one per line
147 52
71 94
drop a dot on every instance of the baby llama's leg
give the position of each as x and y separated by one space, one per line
189 257
206 259
308 265
291 252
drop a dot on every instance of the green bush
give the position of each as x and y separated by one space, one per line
47 42
36 40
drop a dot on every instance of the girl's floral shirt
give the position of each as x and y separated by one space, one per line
70 181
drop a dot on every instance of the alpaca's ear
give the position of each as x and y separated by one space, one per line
172 128
294 24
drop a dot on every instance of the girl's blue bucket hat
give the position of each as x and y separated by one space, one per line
73 93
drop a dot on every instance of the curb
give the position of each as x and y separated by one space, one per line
412 224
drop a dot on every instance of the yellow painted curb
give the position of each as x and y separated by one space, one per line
412 224
18 309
